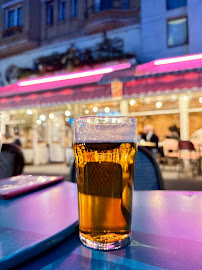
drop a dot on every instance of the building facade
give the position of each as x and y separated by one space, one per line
34 29
37 37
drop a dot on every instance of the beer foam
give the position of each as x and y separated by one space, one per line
105 129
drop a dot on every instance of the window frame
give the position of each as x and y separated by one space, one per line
6 17
167 31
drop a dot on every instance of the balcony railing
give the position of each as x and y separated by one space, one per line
12 31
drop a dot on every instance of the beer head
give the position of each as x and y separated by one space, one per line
105 129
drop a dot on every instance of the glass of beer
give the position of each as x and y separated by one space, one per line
105 150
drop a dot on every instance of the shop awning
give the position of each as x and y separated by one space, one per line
50 98
170 65
171 83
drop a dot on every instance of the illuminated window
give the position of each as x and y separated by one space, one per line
177 32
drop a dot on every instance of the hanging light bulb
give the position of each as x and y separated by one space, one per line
132 102
67 113
51 116
95 109
158 104
107 109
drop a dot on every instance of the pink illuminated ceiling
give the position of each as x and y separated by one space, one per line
173 64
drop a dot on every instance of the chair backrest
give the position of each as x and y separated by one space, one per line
186 145
147 172
11 160
170 145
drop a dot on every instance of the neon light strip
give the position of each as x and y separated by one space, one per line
177 59
75 75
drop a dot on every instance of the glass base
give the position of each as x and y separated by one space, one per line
107 241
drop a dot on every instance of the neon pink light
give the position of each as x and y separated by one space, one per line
75 75
177 59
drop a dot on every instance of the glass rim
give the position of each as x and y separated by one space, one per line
103 117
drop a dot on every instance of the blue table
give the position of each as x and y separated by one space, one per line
167 234
35 222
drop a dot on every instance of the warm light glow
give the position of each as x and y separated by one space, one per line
75 75
95 109
132 102
67 113
42 117
177 59
29 112
51 116
200 99
38 121
185 98
107 109
86 111
158 104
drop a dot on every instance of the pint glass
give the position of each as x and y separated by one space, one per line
105 150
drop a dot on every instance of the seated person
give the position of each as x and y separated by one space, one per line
150 136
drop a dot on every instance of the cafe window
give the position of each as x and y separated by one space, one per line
177 32
74 8
172 4
62 10
49 13
13 17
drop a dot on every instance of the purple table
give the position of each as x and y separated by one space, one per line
35 222
167 234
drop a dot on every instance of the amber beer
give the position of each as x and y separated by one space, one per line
105 175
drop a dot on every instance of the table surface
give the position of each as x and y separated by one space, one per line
167 234
35 222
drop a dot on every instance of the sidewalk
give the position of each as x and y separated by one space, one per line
173 180
48 169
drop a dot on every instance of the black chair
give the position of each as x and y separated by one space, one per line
11 160
147 172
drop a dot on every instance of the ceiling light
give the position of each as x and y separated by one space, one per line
158 104
67 113
38 121
86 111
185 98
107 109
76 75
132 102
200 99
51 116
29 112
42 117
95 109
177 59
